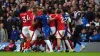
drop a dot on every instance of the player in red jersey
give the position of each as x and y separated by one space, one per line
26 22
34 28
29 29
52 22
26 45
39 13
51 13
60 28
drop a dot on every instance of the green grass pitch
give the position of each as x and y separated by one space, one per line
50 54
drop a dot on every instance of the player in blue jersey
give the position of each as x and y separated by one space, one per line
67 31
45 28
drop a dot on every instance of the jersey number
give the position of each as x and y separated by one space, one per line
62 20
26 18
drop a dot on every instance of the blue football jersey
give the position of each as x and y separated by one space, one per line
45 24
65 17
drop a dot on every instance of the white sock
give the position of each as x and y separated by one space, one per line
49 44
47 48
82 45
67 43
33 46
63 45
43 48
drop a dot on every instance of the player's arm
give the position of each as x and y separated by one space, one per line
38 17
52 17
34 22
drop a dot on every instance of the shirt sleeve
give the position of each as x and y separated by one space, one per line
54 17
38 17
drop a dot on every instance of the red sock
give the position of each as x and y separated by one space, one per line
43 43
66 46
35 43
71 44
58 47
28 44
54 44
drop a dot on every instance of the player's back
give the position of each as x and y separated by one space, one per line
45 19
26 21
60 22
52 22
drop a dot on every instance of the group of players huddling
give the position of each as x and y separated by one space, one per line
46 27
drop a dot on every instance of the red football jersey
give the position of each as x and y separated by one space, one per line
39 12
27 45
32 17
52 22
26 20
60 22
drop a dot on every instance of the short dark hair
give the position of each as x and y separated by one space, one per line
44 11
49 11
65 9
58 11
12 41
24 9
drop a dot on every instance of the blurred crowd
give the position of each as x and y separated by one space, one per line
81 12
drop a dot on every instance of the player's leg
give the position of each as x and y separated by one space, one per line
46 37
54 44
63 42
24 35
71 44
34 35
69 36
41 39
59 35
53 37
33 38
25 32
43 44
53 31
49 44
63 45
82 46
58 41
68 45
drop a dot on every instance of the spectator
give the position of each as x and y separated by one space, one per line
9 25
95 37
2 20
84 35
14 34
91 29
8 9
17 11
2 34
10 47
6 3
97 24
90 14
12 3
